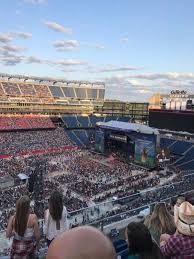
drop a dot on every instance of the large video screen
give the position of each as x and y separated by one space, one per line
145 151
163 154
99 141
174 120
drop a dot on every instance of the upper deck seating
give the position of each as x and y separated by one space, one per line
11 88
42 91
27 89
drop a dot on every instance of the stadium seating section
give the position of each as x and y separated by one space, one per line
81 129
166 142
76 121
25 122
184 150
47 94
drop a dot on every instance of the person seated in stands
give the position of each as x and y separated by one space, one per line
140 242
160 222
55 217
23 226
181 244
81 243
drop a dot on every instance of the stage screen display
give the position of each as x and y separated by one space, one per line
145 150
99 140
172 120
163 154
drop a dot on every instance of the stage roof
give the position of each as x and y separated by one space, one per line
23 176
128 127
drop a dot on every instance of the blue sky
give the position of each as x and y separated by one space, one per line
136 47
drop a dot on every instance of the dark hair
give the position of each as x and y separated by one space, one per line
56 205
22 214
140 242
173 201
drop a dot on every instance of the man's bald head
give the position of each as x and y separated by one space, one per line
81 243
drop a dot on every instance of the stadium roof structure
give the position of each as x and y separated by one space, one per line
128 127
40 80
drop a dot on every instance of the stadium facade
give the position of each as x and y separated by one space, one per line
23 94
176 100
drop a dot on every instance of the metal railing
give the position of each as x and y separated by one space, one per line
115 210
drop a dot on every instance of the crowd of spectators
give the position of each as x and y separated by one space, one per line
25 122
13 143
11 88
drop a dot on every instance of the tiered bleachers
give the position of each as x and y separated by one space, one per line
70 121
93 120
27 90
73 137
187 167
81 135
1 91
47 100
42 91
166 142
25 122
73 121
179 147
40 123
17 100
33 100
83 120
56 91
11 88
186 158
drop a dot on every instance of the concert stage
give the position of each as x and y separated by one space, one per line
137 142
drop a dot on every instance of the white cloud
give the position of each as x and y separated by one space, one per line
69 62
5 37
112 68
13 48
169 76
34 59
11 60
124 40
98 46
9 36
35 2
61 45
57 27
92 45
23 35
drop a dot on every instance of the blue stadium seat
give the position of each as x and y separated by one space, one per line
70 121
121 248
83 120
166 142
73 137
81 135
187 166
93 120
179 147
186 158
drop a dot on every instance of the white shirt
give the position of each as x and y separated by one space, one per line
50 225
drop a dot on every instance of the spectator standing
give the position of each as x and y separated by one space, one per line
181 244
55 217
23 226
160 222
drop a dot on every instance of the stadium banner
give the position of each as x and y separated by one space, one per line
145 150
118 137
99 140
